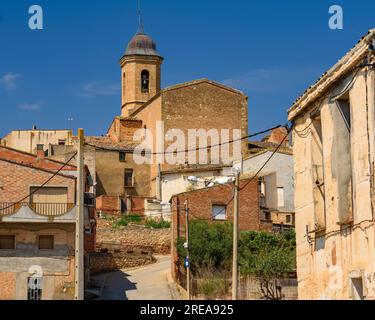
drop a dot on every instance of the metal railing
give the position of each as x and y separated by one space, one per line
44 209
51 209
8 208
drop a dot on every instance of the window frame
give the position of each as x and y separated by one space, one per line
122 153
45 236
132 176
214 217
14 242
147 73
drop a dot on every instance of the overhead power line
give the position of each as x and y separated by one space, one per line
193 149
255 175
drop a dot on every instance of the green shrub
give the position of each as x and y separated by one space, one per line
260 253
157 224
212 287
125 220
210 246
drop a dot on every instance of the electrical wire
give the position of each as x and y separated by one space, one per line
192 149
270 158
38 188
255 175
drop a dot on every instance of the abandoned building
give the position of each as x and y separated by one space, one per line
31 140
37 227
334 163
276 183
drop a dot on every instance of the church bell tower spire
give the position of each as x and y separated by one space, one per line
140 70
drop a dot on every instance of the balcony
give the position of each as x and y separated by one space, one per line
8 208
51 209
37 212
43 209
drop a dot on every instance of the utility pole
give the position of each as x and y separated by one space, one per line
187 249
159 182
79 243
235 238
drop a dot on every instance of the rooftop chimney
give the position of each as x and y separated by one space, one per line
40 151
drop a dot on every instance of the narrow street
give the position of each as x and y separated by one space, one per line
145 283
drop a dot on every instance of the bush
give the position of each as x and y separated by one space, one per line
157 224
210 246
260 253
124 221
212 287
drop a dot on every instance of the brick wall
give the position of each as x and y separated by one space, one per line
277 135
16 180
110 204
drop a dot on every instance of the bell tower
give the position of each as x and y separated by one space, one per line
140 71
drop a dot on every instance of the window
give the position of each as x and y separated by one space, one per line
129 182
8 242
34 288
145 81
280 198
46 242
219 212
357 288
288 218
122 156
267 216
123 84
40 147
62 142
341 150
318 173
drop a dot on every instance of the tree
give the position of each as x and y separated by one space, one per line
268 257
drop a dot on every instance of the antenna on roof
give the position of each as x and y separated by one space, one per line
141 29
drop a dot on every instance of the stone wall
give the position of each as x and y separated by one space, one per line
134 237
102 262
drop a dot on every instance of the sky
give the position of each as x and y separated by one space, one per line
271 50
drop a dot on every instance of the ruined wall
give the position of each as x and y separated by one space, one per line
27 140
136 238
334 256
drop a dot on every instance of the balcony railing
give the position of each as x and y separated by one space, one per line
44 209
8 208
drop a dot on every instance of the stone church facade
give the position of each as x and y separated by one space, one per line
199 104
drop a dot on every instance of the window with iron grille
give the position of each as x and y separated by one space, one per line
34 288
46 242
7 242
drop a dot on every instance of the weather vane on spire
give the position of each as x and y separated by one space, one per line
140 27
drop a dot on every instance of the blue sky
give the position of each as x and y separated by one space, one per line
272 50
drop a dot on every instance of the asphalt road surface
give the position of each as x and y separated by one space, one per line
145 283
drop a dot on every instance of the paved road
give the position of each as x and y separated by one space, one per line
146 283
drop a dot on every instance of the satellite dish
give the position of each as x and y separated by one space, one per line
192 179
